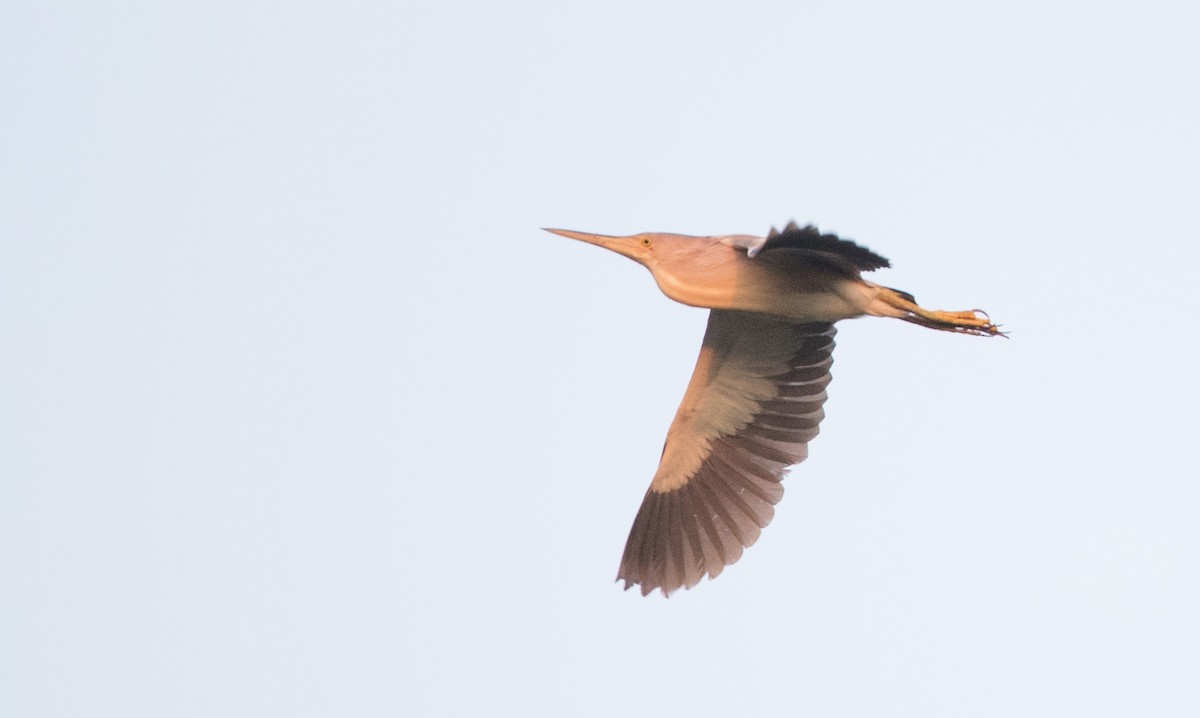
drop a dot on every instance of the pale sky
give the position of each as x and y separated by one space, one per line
301 414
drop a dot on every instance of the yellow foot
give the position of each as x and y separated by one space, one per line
972 321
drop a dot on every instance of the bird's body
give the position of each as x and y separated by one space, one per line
718 274
755 398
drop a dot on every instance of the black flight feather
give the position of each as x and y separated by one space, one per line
809 238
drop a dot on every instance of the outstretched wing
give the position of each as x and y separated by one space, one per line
752 406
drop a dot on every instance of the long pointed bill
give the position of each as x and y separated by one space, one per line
620 245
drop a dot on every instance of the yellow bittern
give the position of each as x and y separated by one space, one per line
755 398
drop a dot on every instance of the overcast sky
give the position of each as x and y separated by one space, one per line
301 414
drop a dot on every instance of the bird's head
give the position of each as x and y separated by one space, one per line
638 247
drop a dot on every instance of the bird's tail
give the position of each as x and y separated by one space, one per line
903 305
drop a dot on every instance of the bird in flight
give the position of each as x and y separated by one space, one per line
755 398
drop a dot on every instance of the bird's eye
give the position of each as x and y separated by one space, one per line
645 241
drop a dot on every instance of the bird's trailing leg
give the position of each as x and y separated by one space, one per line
972 321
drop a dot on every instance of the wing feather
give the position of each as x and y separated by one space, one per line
714 553
828 247
753 404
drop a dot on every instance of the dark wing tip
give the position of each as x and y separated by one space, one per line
702 527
